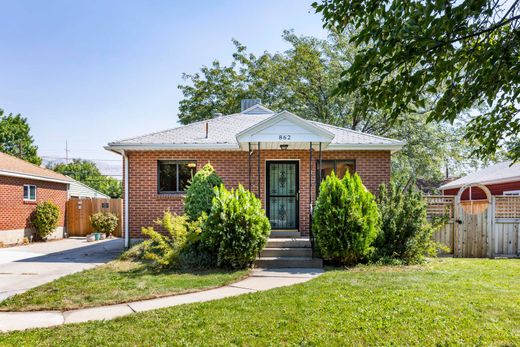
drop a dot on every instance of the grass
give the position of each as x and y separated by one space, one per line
447 302
116 282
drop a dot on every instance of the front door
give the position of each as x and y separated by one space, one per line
283 194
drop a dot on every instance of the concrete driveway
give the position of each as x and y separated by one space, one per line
25 267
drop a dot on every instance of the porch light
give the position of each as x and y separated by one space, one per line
192 165
284 147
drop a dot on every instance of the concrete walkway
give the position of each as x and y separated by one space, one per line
26 267
260 280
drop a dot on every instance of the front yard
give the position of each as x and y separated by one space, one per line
116 282
446 302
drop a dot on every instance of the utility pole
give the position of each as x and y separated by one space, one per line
66 151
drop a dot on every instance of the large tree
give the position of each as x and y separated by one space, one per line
303 80
460 57
15 138
88 173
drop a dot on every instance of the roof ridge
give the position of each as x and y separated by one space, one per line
355 131
28 162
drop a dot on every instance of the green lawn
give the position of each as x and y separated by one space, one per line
116 282
448 302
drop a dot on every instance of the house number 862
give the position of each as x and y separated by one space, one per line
284 137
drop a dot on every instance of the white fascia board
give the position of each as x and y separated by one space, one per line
484 182
172 146
364 147
244 135
32 177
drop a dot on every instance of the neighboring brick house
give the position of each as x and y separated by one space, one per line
277 156
22 186
501 179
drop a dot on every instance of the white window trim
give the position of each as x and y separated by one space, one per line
29 191
511 193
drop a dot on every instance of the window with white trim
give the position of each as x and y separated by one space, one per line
511 193
29 192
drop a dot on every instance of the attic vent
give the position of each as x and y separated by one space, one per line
247 103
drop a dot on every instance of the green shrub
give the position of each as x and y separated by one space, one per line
406 234
345 220
104 222
165 250
236 228
200 192
45 218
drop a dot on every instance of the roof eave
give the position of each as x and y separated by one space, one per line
484 182
394 147
32 177
118 148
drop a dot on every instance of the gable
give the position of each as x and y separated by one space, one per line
284 127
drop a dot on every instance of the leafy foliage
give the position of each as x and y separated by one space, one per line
45 218
88 173
406 234
303 80
345 220
165 250
104 222
15 138
454 56
236 228
200 192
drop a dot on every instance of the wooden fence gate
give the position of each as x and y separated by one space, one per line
78 212
478 228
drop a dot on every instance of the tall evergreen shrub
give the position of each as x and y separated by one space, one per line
236 229
406 234
200 192
346 220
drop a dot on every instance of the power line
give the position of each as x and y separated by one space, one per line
65 158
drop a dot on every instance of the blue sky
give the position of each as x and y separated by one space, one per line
95 71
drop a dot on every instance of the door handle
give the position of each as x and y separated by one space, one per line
459 221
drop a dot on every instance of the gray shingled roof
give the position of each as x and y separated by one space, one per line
498 173
223 130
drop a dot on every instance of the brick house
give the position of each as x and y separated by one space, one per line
278 156
22 186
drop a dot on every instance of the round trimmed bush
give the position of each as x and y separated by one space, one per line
104 223
45 218
236 228
346 220
200 192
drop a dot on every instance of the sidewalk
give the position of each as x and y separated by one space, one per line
260 280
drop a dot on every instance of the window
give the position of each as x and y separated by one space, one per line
511 193
174 176
340 168
29 192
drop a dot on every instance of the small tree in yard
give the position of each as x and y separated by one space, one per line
200 192
104 223
45 218
406 234
346 219
236 228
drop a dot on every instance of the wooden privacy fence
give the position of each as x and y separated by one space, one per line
78 212
478 228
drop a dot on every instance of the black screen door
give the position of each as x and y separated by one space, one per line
282 194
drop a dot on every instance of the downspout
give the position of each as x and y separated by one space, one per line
127 234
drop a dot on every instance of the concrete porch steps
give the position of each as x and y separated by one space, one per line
284 252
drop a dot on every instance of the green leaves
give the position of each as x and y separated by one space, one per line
236 229
458 56
346 219
15 138
200 192
45 218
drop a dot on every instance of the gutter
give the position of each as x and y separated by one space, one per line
32 177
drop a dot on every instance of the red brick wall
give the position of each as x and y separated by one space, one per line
477 193
15 212
146 205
